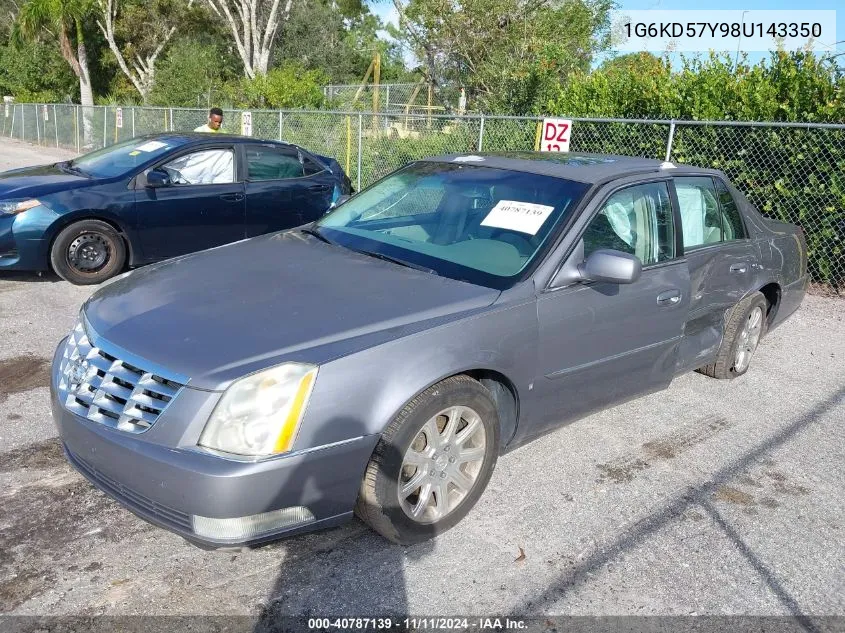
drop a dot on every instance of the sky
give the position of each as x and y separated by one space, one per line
387 12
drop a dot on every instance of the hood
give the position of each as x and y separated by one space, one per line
37 181
223 313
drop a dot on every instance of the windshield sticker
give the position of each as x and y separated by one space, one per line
525 217
468 159
151 146
135 153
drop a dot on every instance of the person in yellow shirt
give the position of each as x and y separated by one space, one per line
215 121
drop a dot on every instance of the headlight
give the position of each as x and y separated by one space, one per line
11 207
260 414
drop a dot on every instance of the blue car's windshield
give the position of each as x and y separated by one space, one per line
463 221
120 159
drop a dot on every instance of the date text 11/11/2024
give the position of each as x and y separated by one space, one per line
417 623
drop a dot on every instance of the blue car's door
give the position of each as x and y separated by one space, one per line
283 188
603 343
201 208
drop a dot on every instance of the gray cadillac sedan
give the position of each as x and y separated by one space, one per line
379 360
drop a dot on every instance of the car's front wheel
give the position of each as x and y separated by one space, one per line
88 252
432 463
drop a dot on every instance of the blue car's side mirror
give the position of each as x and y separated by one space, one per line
158 178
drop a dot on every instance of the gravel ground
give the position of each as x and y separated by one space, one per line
709 498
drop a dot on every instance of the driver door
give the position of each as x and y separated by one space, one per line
603 343
203 206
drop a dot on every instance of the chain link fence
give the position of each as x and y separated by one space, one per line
398 98
791 172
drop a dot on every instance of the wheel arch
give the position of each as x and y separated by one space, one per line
772 291
502 390
67 220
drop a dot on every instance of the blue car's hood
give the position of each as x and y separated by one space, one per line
223 313
37 181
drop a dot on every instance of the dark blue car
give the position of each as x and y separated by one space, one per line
156 197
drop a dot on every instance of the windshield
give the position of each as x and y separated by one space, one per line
119 159
479 224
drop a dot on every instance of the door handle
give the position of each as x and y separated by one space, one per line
739 268
669 298
232 197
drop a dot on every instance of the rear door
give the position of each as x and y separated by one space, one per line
202 208
603 343
720 258
284 188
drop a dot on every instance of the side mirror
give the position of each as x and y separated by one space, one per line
604 265
158 178
611 266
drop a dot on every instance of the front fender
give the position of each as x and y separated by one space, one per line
370 387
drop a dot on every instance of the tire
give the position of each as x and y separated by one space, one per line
88 252
458 400
745 326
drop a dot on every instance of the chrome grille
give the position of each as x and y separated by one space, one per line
105 389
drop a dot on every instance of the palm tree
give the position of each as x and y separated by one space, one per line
64 19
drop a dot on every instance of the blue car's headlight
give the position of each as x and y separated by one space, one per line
11 207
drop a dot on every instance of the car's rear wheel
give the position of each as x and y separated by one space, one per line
432 463
88 252
745 325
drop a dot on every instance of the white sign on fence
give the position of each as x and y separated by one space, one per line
556 135
45 111
246 123
118 117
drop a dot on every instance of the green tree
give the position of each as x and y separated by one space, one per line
194 73
508 55
339 40
288 86
137 50
68 20
32 72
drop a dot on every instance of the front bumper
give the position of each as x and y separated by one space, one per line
168 486
22 243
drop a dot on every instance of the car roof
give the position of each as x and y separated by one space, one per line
191 137
581 167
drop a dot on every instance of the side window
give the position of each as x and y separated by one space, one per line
732 225
637 220
271 163
210 166
699 207
311 167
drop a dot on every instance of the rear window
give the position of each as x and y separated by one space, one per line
271 163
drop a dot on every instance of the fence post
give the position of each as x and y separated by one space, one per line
387 98
76 126
671 138
348 143
37 127
105 124
281 121
12 127
23 123
56 125
360 142
481 134
133 121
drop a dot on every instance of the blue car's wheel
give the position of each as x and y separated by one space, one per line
88 252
